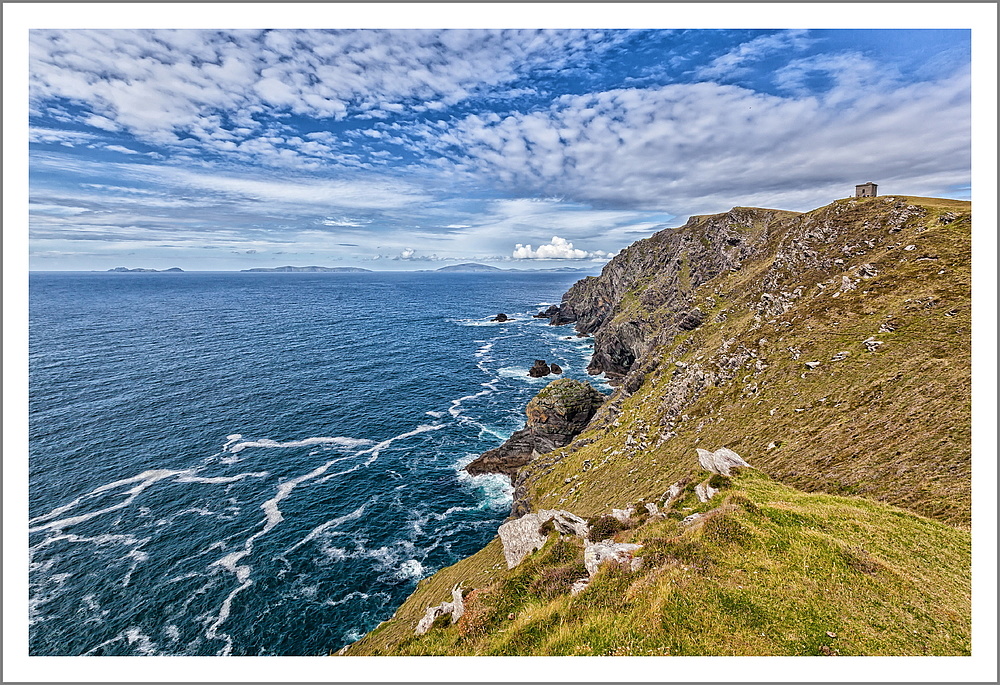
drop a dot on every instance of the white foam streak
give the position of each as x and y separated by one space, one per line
134 637
455 404
221 479
377 449
272 517
347 598
329 524
145 479
265 442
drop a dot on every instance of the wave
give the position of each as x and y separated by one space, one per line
221 479
377 449
495 490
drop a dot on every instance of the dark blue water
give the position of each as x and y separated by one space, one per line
229 463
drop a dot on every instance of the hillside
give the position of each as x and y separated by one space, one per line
831 351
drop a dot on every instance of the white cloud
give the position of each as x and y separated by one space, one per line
735 60
557 248
171 87
49 135
344 223
704 147
122 149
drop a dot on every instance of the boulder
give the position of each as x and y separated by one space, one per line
840 356
524 535
871 344
456 607
501 317
597 553
704 491
539 369
555 368
623 515
672 495
547 313
720 461
556 415
812 365
691 320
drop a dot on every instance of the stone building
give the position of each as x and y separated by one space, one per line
866 189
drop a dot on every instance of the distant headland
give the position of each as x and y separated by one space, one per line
472 267
124 269
307 269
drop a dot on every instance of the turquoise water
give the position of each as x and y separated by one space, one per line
265 464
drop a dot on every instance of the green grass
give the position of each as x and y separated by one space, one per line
772 571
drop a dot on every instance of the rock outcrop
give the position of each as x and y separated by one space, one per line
595 554
456 607
524 535
539 369
721 461
501 317
556 415
547 313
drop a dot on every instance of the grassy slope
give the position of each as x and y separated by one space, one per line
771 572
891 426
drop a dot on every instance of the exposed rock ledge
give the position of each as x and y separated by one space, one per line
524 535
556 415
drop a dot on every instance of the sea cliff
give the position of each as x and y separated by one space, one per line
829 351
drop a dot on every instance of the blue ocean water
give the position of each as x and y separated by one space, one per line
265 464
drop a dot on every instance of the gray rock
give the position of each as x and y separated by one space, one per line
652 509
871 344
688 520
840 356
720 461
623 515
579 586
456 607
812 365
704 491
867 271
522 536
672 495
597 553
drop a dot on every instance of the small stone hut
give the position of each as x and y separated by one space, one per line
866 189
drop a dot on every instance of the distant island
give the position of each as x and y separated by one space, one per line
123 269
307 269
472 267
469 267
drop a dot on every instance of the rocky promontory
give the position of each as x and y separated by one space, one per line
556 415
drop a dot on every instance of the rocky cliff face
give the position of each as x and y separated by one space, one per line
661 273
711 319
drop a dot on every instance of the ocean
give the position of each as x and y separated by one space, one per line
266 463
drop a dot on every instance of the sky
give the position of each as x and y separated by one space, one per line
416 149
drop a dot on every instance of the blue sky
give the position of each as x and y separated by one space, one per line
414 149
